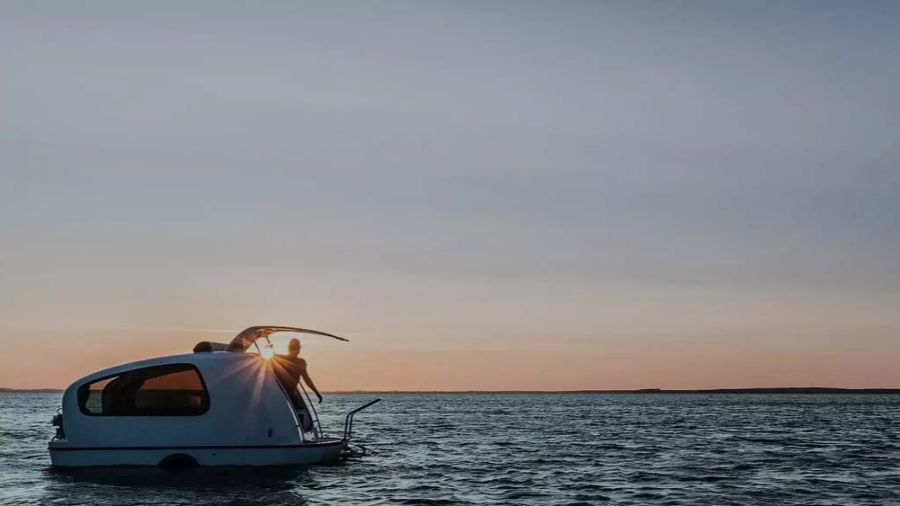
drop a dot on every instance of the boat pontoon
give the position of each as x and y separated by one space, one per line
216 406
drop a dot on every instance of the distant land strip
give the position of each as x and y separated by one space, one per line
776 390
31 390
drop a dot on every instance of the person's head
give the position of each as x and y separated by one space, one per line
294 347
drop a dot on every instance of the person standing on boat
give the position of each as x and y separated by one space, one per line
289 369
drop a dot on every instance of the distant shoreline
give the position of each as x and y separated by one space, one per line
30 390
777 390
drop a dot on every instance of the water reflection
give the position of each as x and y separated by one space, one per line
223 477
234 485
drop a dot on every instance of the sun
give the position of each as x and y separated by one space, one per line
267 352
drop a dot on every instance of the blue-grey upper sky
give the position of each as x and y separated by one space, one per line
537 194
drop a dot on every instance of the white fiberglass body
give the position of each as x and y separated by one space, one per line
206 408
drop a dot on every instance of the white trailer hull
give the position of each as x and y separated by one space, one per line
315 452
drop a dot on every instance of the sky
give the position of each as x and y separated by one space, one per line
481 195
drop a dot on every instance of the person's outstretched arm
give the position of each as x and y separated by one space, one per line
309 381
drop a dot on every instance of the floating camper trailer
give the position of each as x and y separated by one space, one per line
220 405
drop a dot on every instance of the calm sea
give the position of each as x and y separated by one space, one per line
521 449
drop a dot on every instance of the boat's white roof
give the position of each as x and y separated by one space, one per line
184 358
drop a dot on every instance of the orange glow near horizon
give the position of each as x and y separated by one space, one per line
512 337
525 364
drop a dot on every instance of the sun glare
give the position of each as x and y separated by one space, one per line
267 352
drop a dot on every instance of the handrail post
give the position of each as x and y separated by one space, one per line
348 421
317 426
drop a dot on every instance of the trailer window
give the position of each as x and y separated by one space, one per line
164 390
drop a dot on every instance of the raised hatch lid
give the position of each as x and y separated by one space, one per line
249 335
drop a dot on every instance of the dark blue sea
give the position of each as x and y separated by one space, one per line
521 449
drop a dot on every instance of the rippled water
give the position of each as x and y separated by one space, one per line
522 448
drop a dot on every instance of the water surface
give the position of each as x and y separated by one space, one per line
521 448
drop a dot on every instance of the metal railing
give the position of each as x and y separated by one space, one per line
317 425
348 422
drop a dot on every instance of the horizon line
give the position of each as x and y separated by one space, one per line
757 390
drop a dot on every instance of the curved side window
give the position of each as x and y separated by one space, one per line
162 390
